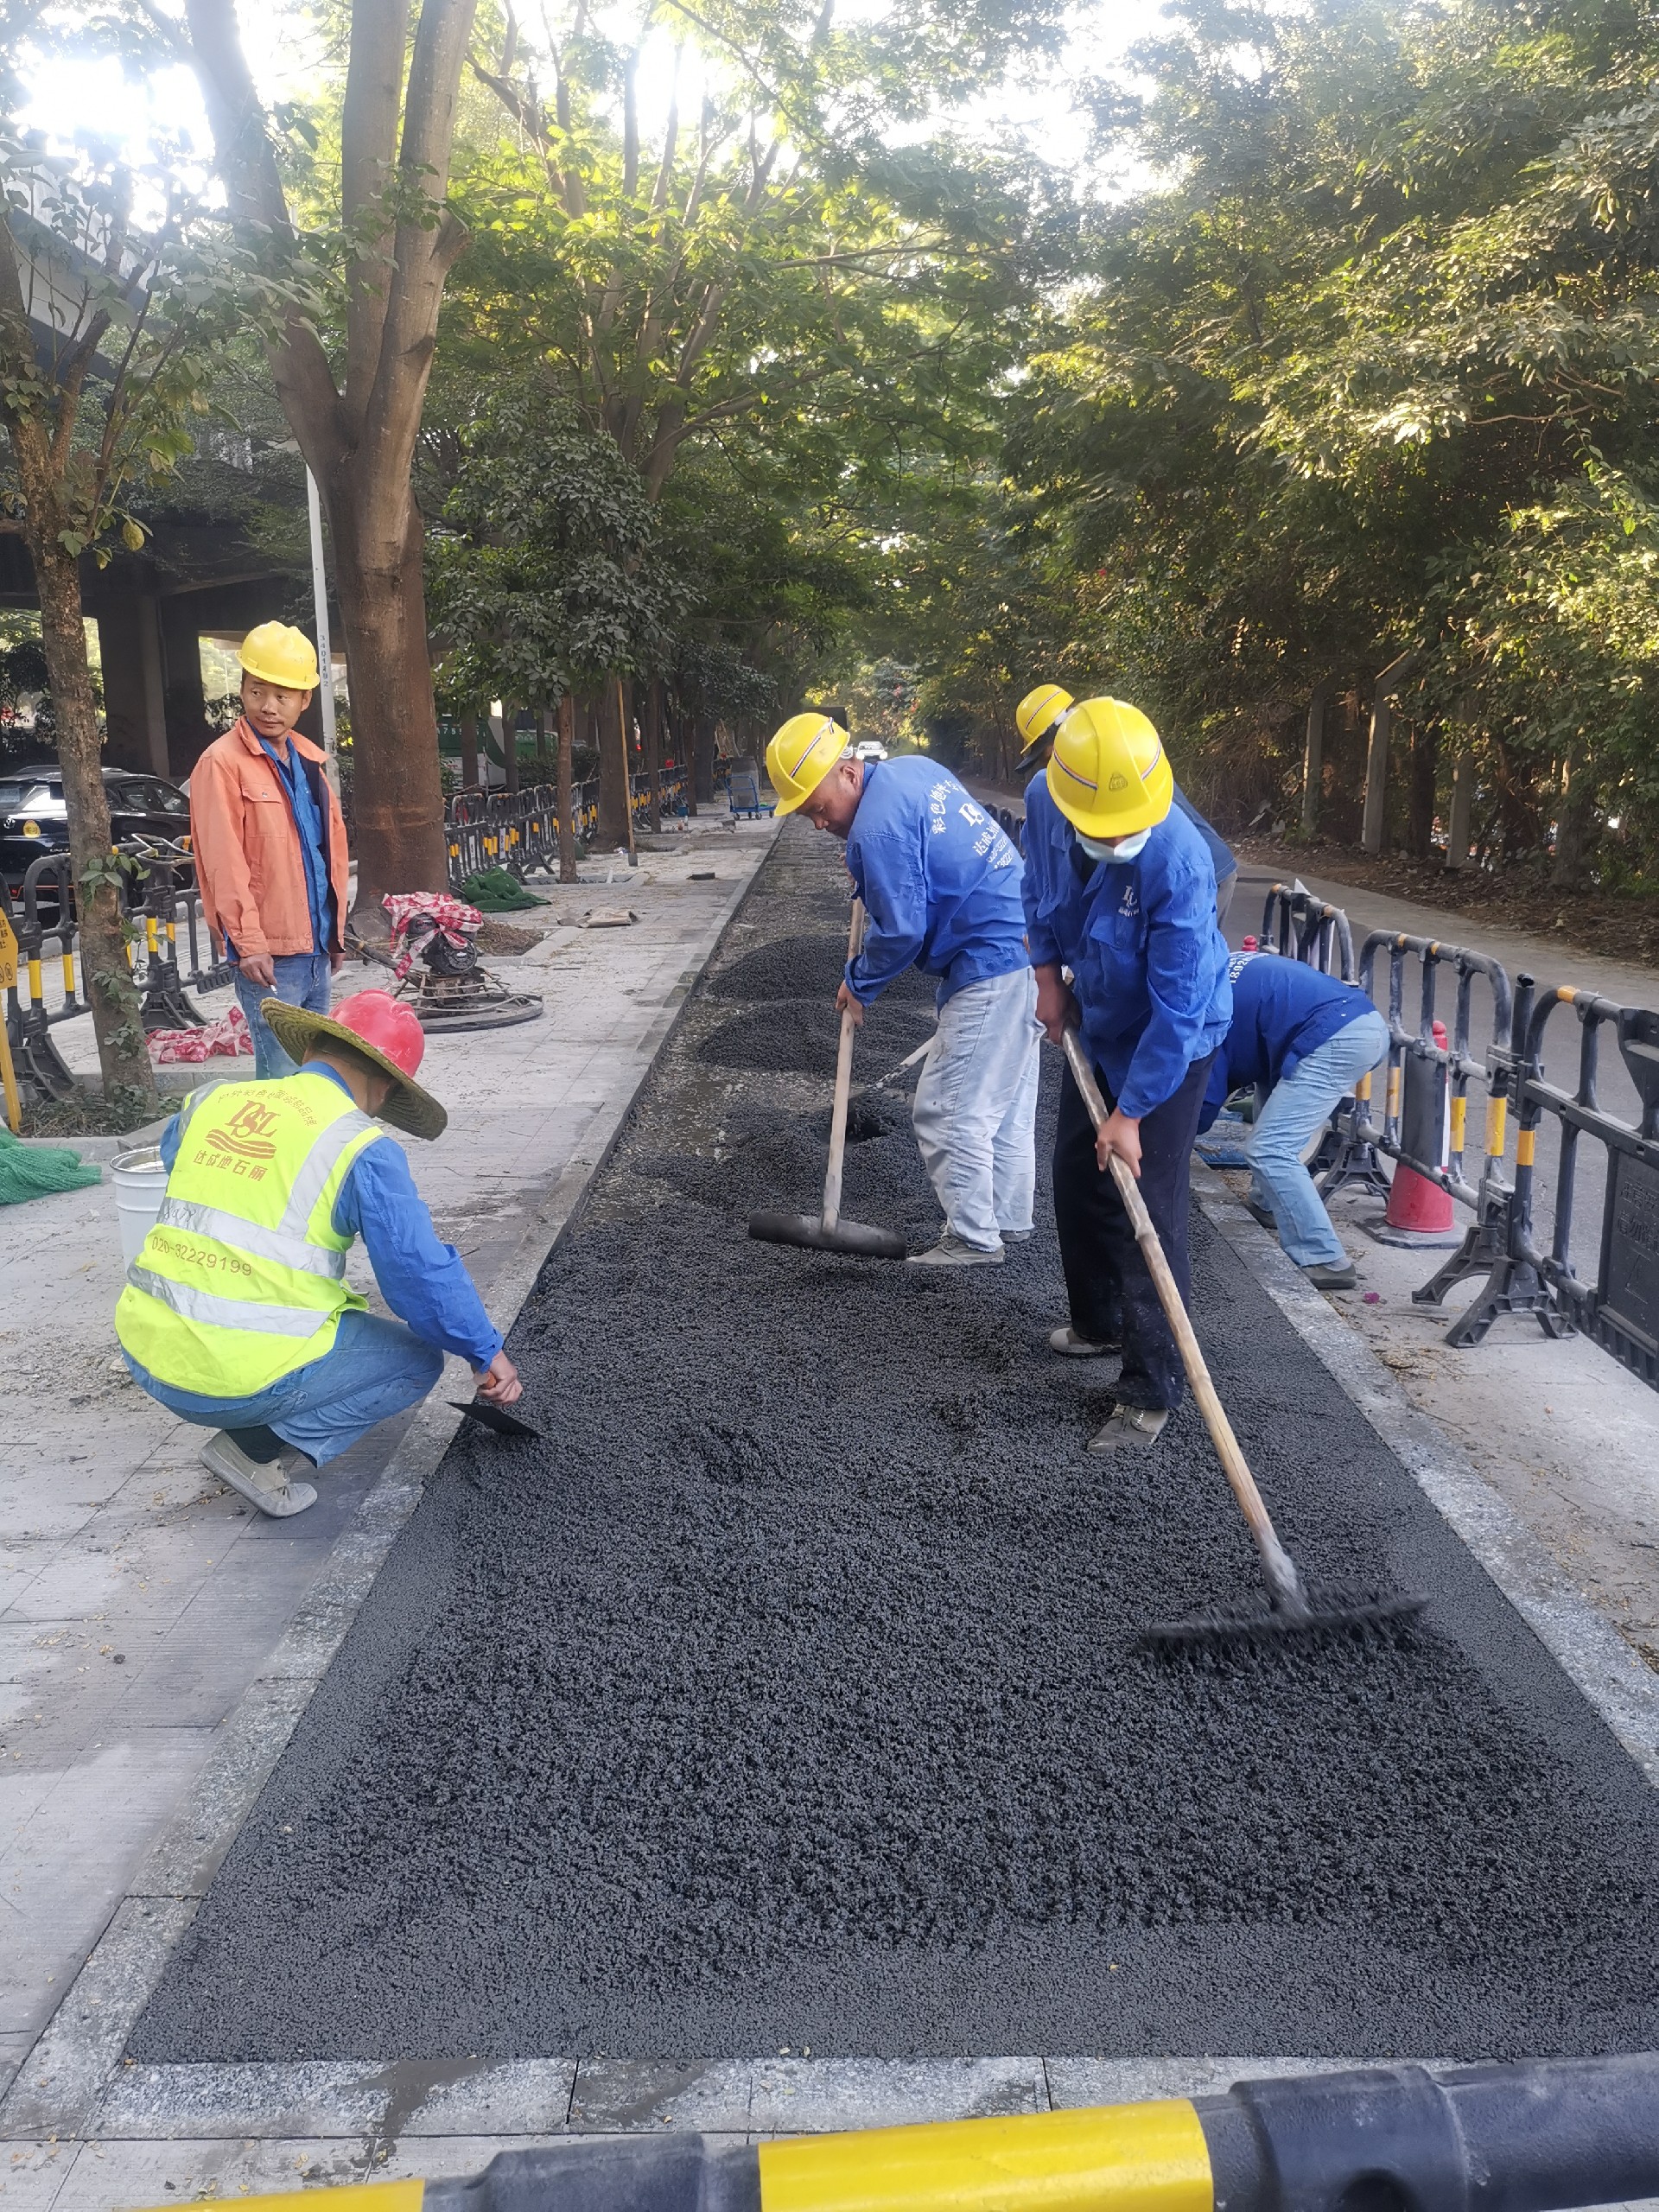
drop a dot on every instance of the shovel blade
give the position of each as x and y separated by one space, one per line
488 1416
851 1238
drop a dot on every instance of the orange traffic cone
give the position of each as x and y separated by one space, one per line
1419 1211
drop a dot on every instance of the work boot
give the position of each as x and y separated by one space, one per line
1264 1214
954 1251
264 1482
1131 1429
1070 1345
1328 1278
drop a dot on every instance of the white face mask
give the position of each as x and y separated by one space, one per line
1126 849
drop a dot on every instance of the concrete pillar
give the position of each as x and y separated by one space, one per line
1463 799
1313 756
1374 821
187 732
135 706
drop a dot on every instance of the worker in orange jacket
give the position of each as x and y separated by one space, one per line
270 841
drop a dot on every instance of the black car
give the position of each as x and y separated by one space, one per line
33 820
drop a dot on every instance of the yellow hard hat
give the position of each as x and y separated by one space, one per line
1040 714
276 653
800 756
1109 773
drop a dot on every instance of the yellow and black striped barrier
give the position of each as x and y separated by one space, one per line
1537 2137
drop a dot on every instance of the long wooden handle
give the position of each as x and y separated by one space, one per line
843 1085
1276 1561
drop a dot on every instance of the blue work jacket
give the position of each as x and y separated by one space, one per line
939 880
1149 965
1282 1011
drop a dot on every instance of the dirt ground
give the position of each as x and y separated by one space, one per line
1619 927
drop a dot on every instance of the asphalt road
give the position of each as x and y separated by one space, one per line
787 1694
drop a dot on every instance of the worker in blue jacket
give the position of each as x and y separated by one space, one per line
940 884
1119 889
1038 716
1307 1039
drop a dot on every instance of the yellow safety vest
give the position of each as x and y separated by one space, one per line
242 1278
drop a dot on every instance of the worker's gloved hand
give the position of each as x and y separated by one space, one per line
1057 1010
846 1003
499 1382
1119 1134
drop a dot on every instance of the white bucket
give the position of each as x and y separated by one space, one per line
140 1183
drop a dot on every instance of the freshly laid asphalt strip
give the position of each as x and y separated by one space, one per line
786 1694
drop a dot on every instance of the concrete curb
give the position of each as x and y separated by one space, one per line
57 2086
1590 1652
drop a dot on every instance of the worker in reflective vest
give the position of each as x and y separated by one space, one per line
237 1313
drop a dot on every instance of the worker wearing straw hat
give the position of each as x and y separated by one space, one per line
237 1314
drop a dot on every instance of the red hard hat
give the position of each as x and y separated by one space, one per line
383 1021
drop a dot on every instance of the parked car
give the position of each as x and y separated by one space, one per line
33 819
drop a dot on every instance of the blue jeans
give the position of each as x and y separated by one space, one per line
374 1369
976 1108
1295 1109
302 979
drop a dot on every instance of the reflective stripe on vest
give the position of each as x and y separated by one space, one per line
216 1312
280 1245
242 1280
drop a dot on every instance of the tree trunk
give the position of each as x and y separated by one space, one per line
468 751
1314 755
105 979
566 797
397 793
1572 824
612 740
510 743
703 743
654 756
1420 820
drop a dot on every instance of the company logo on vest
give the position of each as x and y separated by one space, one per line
247 1132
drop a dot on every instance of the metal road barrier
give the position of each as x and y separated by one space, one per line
1425 1105
160 906
1307 929
1424 1126
1619 1310
1544 2134
519 830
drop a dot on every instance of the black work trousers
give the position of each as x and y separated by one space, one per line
1112 1298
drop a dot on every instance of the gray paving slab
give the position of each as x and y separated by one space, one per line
813 2096
319 2098
621 2095
59 2084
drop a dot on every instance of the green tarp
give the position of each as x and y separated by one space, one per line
29 1171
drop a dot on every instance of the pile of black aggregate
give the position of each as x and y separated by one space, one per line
787 1694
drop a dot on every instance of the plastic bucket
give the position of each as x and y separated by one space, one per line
140 1183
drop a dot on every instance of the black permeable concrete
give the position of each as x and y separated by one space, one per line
787 1693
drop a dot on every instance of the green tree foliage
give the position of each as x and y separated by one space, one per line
117 295
1370 368
771 313
545 577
